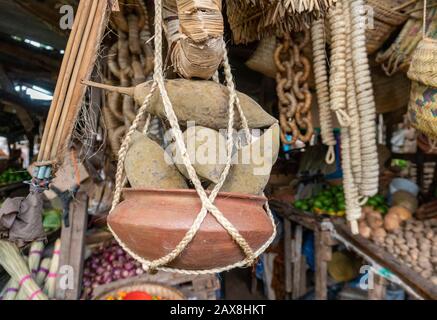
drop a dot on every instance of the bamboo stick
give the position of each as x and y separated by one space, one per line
63 79
404 5
86 57
85 70
70 87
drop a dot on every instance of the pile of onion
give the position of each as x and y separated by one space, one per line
107 264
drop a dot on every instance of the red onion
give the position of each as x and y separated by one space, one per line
108 264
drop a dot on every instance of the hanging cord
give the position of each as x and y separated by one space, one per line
352 106
337 81
350 137
424 19
322 87
365 100
207 202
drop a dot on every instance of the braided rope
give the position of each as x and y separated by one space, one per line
352 106
337 83
350 137
365 100
207 202
322 87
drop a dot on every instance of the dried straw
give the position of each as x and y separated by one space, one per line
252 20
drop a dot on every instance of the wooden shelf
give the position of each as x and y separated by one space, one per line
410 278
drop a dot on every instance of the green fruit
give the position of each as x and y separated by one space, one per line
52 221
318 204
298 204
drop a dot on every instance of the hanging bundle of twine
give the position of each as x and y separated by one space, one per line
350 98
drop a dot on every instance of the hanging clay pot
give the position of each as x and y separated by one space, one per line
207 151
146 165
151 223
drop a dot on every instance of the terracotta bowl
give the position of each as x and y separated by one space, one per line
151 222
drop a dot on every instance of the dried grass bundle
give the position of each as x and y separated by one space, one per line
251 20
14 264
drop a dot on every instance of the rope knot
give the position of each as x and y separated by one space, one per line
330 155
343 118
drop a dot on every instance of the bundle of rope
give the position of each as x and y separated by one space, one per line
349 96
322 87
365 100
207 201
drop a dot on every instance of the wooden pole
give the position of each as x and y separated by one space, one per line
63 80
297 262
67 105
73 249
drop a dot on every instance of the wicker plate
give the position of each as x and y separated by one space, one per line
154 289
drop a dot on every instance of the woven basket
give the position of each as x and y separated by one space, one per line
423 100
262 59
422 109
424 143
386 21
398 86
423 66
153 289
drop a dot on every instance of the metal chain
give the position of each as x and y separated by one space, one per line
292 88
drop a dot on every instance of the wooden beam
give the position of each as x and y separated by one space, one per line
73 247
322 252
421 286
5 82
29 55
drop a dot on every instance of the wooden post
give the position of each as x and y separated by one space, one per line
73 248
297 262
323 254
303 276
287 259
377 288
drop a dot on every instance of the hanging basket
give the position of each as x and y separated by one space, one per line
399 87
422 109
151 222
423 66
262 60
386 21
423 100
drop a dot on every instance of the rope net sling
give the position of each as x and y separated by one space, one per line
207 201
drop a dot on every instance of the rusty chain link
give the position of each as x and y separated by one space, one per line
293 70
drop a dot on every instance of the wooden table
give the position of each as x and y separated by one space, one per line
323 249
